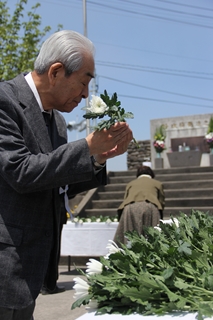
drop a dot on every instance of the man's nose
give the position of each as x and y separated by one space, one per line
85 92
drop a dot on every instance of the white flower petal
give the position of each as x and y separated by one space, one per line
97 105
94 267
81 288
157 228
113 248
176 222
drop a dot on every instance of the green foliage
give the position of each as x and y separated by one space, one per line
210 126
20 40
115 113
160 133
166 270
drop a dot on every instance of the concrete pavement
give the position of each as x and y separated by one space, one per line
58 306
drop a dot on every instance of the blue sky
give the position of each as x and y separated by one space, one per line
156 54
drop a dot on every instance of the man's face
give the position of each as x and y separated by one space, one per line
67 92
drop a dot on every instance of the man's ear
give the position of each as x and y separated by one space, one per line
55 72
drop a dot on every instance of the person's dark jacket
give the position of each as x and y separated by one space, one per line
31 172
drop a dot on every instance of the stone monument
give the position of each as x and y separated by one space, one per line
183 134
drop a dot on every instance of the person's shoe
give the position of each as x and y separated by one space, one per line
58 289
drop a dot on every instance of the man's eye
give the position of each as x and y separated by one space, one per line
83 84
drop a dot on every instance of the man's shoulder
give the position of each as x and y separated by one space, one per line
11 86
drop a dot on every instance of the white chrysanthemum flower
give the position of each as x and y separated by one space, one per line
97 105
113 247
157 228
108 220
209 135
89 220
176 222
81 288
98 220
115 220
160 142
94 267
92 305
80 221
171 221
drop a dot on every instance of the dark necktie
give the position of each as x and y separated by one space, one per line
47 119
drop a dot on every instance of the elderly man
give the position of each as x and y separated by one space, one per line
36 164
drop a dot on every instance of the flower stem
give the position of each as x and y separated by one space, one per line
135 142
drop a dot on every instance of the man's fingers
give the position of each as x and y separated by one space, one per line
105 140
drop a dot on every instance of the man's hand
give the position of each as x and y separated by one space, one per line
109 143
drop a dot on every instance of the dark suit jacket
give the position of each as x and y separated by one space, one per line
31 173
144 189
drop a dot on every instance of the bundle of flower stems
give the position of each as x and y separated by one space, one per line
169 269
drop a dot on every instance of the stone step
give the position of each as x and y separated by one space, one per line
185 177
177 193
96 204
115 187
198 184
170 202
167 177
183 193
190 202
183 170
163 171
111 195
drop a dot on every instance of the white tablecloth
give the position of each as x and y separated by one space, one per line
179 316
87 239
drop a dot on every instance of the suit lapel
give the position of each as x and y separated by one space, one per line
59 131
33 114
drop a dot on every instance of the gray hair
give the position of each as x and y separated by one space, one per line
67 47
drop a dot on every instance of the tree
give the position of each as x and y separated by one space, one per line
20 40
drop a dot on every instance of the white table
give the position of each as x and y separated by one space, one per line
87 239
179 316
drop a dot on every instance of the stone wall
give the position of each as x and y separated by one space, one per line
136 156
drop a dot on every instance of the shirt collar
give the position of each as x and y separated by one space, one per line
145 175
32 86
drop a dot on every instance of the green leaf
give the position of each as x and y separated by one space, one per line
168 273
84 300
114 108
181 284
139 296
185 248
128 115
